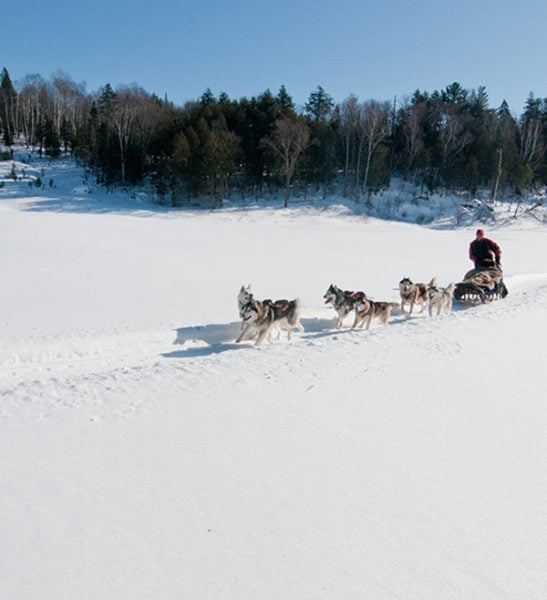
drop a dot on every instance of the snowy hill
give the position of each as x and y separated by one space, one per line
146 455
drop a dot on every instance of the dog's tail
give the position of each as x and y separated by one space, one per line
450 288
394 304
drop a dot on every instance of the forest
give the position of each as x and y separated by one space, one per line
216 148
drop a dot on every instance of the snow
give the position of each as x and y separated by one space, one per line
144 454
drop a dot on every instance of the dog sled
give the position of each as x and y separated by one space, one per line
480 286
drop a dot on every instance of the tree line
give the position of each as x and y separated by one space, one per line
217 147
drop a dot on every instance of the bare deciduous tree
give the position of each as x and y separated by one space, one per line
125 108
454 135
291 137
70 106
349 121
414 118
374 126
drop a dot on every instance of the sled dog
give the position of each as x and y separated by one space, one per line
342 301
366 310
262 316
412 294
248 330
440 299
243 297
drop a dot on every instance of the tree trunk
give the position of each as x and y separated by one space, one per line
498 177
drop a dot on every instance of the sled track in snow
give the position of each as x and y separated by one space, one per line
105 373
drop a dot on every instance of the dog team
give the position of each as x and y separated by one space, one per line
265 319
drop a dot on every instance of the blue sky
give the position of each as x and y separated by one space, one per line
375 50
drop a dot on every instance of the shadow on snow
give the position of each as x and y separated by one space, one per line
206 340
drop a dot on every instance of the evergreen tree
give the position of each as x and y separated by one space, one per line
8 97
51 141
533 145
455 94
107 96
207 98
106 150
319 105
223 99
285 101
508 157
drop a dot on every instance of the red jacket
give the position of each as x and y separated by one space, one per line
483 251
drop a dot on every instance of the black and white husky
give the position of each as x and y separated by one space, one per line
440 299
260 317
343 302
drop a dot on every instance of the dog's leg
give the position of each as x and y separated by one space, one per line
242 335
247 332
289 331
271 333
262 336
244 327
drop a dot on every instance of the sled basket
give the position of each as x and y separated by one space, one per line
480 286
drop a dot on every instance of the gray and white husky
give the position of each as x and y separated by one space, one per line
413 294
260 317
243 297
366 310
440 299
343 302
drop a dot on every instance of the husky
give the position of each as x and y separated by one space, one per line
413 294
440 299
366 310
342 301
249 331
243 297
262 316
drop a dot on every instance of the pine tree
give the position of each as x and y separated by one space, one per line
532 140
8 97
506 139
207 98
319 105
285 101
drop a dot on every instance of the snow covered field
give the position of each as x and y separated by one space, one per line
145 455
